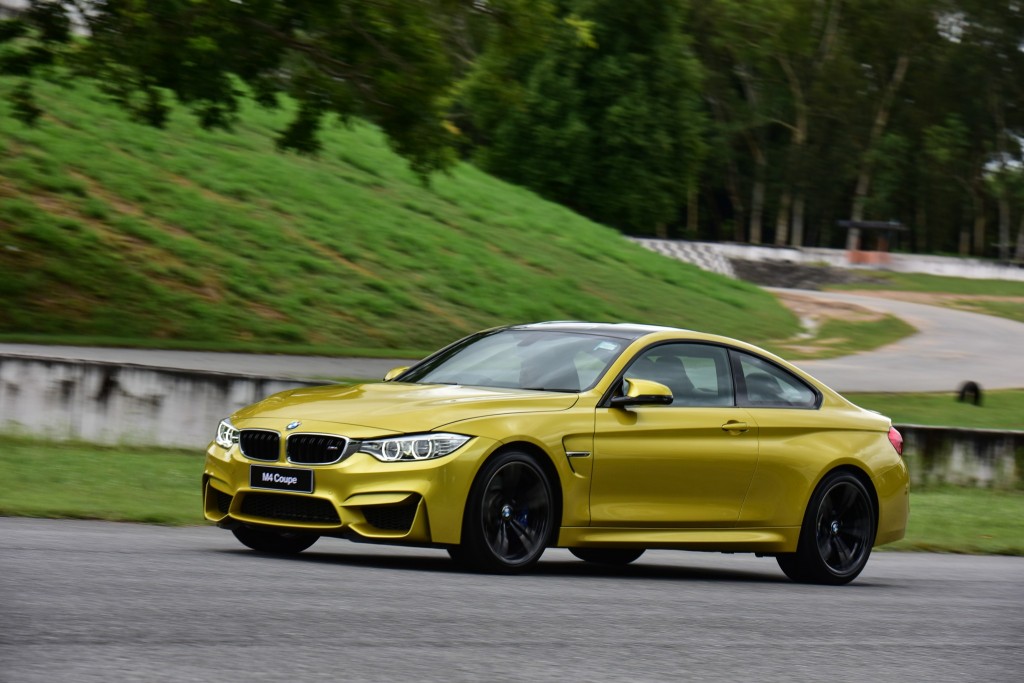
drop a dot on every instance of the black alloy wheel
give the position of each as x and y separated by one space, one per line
837 534
273 541
610 556
509 516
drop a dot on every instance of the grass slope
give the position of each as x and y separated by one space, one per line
115 232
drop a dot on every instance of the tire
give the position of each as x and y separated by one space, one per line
274 542
837 534
619 557
509 518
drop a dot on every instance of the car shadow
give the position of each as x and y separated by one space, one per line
442 564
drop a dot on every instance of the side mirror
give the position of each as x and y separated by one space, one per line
643 392
395 372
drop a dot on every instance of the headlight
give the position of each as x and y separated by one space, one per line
227 434
413 446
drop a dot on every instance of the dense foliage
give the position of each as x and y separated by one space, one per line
748 120
829 110
606 121
388 61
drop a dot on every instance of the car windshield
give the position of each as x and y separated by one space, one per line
544 360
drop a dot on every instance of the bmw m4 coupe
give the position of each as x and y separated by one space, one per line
606 439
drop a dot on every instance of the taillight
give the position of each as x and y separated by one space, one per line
896 439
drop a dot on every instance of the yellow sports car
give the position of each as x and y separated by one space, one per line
606 439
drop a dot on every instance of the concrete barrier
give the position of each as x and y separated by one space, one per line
964 457
709 256
109 403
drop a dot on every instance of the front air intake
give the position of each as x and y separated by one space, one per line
391 517
289 508
223 501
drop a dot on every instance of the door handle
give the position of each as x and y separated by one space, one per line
735 427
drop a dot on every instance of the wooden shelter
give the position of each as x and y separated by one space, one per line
880 234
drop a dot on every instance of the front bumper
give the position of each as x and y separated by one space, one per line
359 497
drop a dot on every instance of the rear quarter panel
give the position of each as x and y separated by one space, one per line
799 447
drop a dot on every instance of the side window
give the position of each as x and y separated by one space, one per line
766 385
697 374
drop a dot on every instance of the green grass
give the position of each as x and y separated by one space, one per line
920 282
81 481
1013 310
840 337
184 238
962 293
962 520
999 409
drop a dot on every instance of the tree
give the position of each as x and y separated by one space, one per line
738 43
884 39
30 37
991 40
810 95
389 61
963 114
605 117
767 63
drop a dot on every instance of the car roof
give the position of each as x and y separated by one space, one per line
618 330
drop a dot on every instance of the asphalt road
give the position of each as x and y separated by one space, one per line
97 601
950 348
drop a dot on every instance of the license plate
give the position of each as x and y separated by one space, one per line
281 478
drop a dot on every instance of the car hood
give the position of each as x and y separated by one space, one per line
401 407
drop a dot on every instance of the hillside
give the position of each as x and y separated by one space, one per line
114 232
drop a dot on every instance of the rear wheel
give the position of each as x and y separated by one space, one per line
273 541
837 533
610 556
509 516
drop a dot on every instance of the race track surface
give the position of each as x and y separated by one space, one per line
949 348
97 601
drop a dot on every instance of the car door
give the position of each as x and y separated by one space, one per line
687 464
790 427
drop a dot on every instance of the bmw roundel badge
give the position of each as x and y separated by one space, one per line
293 425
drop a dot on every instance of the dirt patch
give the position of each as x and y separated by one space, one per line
807 308
813 314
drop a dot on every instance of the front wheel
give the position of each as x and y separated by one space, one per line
271 541
509 516
610 556
837 533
